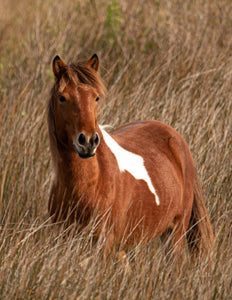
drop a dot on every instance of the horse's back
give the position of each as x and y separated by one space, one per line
153 138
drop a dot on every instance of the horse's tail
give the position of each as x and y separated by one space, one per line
200 233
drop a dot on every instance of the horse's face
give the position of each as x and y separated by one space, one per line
75 112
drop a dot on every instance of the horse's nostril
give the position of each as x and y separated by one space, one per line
97 140
94 141
81 139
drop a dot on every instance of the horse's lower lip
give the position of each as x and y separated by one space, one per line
85 156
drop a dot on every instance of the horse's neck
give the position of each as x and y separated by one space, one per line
76 173
85 175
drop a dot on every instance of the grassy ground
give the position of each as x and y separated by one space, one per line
164 60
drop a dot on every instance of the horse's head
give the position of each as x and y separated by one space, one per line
74 100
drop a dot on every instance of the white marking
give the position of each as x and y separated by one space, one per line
130 162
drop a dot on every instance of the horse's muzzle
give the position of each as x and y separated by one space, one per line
86 147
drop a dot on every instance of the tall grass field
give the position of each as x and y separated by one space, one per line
165 60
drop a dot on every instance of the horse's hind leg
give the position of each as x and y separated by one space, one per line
167 241
179 234
173 240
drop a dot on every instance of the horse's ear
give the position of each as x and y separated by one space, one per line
59 67
93 62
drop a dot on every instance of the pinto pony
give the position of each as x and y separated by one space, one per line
139 178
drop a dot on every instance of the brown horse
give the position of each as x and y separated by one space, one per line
139 178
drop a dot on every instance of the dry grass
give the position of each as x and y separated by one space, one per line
164 60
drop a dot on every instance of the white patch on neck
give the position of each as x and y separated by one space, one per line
130 162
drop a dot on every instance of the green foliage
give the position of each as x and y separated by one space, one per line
113 20
113 17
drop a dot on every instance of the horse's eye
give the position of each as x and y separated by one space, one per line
62 99
97 99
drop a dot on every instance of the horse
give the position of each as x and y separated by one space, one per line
139 178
